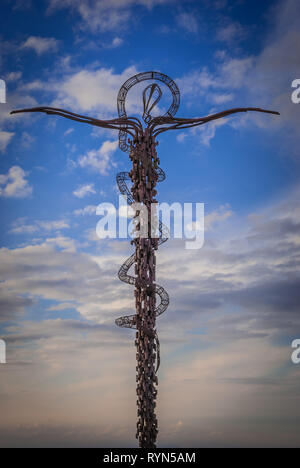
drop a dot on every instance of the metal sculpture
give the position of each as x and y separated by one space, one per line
145 173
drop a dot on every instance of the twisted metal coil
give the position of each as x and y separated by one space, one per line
129 321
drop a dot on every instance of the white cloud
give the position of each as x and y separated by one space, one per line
21 226
54 225
262 80
100 160
117 41
196 82
84 190
233 72
230 368
232 32
13 76
17 99
40 45
187 21
87 210
207 132
223 213
5 138
230 74
67 132
222 98
50 270
276 66
181 137
61 306
91 90
210 219
104 15
15 184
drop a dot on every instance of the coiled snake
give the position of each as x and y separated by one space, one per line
129 321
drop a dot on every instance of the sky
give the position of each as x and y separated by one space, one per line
226 377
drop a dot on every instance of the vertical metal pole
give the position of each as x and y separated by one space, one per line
144 177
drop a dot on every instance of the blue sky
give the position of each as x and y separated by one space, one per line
234 304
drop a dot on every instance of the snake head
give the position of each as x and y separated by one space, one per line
151 96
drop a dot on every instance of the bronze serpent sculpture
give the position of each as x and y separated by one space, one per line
129 321
144 175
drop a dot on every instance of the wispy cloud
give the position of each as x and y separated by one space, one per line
14 184
231 33
22 226
5 138
187 21
236 78
207 132
231 356
100 160
91 90
84 190
117 41
40 45
104 15
87 210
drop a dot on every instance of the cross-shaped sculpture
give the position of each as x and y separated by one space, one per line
144 175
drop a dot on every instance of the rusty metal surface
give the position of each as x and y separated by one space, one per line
151 75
